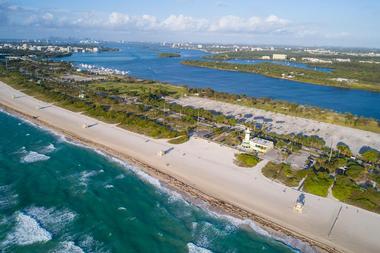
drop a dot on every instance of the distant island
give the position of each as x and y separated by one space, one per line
349 75
169 55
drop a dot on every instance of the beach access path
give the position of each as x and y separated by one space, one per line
209 168
285 124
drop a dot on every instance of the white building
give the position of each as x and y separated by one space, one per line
255 144
265 57
315 60
343 60
279 56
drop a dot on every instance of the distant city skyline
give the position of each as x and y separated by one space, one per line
347 23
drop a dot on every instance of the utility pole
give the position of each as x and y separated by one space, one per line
330 151
198 121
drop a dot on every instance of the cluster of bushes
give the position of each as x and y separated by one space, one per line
283 173
318 183
371 155
346 190
246 160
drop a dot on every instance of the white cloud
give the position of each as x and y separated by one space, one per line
183 23
146 22
123 21
118 19
253 24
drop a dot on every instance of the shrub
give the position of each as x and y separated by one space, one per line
343 188
355 171
284 173
246 160
318 184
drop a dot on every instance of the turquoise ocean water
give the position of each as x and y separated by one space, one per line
56 196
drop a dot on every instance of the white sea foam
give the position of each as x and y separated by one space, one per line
48 149
122 208
246 222
89 244
109 186
32 156
121 176
68 247
85 176
173 195
286 240
27 231
196 249
204 233
51 218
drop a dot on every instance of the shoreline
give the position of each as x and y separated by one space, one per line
268 208
369 89
188 192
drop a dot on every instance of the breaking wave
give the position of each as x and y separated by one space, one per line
51 218
32 156
196 249
68 247
85 176
27 231
48 149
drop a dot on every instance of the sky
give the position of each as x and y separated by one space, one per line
347 23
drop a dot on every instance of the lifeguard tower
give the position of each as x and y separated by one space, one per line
298 207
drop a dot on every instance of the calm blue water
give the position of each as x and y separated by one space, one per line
142 61
285 63
60 197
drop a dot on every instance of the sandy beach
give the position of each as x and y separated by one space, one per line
206 170
284 124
